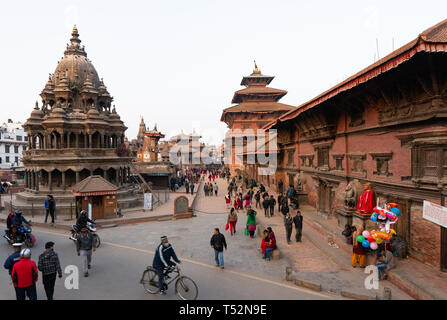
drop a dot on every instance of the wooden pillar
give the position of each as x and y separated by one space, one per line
105 174
117 182
85 140
90 141
77 176
37 181
62 140
68 139
77 140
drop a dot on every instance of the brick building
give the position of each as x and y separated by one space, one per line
385 125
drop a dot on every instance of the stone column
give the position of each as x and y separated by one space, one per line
85 140
90 141
50 182
68 139
77 140
105 174
37 181
77 176
117 182
62 140
63 180
33 180
26 178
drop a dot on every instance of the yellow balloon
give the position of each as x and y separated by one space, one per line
378 241
392 231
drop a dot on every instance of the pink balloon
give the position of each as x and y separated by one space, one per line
366 234
373 245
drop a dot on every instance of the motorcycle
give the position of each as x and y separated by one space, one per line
23 234
91 228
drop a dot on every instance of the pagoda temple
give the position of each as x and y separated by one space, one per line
74 134
256 106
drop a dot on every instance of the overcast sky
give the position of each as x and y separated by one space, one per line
178 63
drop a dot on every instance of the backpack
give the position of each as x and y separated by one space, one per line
399 247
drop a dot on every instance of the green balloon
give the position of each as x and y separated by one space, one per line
360 238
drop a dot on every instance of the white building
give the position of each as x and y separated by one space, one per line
13 141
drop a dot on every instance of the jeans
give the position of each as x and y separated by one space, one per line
28 291
266 211
218 256
51 213
48 283
381 266
267 253
272 211
86 258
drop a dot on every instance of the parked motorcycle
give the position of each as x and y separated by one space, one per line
91 228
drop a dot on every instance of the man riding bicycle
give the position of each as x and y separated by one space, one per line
162 260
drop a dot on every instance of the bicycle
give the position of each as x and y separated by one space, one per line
185 287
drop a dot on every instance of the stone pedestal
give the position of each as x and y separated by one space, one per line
344 217
363 220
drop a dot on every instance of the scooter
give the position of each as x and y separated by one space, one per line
91 228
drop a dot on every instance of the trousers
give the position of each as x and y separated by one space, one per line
30 291
86 259
361 258
49 281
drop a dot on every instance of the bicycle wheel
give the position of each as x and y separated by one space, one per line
186 288
149 280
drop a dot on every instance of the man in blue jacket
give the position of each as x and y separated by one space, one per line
162 260
13 258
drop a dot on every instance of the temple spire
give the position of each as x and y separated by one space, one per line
256 71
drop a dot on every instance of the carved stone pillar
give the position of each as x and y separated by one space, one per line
68 140
63 180
77 175
90 141
37 181
85 141
117 182
77 140
50 182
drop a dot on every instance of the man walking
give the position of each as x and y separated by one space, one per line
218 243
288 222
191 187
216 188
24 276
47 207
298 221
187 185
52 208
272 203
84 246
49 265
266 205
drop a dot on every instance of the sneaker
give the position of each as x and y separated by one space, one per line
86 274
162 292
89 266
217 265
222 267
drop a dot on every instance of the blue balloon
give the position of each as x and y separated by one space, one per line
396 211
365 243
374 217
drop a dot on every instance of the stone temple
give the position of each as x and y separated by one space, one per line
76 133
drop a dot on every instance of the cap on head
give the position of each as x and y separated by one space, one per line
17 244
18 212
164 239
49 245
25 253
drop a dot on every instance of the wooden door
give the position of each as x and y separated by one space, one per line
97 208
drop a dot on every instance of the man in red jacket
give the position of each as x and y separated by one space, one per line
24 276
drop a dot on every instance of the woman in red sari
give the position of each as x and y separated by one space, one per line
265 243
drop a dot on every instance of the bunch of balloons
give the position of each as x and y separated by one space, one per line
385 216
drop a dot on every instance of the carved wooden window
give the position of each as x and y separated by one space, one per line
357 163
429 164
303 160
323 158
290 155
339 161
382 163
310 162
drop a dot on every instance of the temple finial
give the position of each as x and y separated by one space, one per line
256 70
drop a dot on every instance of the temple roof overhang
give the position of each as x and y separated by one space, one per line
432 40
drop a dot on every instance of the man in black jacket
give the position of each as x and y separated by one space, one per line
272 205
266 205
298 221
218 243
